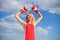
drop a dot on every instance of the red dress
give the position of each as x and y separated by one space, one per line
29 33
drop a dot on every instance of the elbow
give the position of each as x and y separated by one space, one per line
16 16
41 17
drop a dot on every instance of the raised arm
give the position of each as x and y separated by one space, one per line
18 18
34 8
39 19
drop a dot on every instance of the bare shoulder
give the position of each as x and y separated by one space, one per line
25 24
34 24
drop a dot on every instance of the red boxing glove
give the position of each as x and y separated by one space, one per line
24 9
34 8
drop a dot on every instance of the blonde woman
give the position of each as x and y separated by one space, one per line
30 23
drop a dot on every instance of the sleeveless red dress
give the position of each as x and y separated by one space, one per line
29 32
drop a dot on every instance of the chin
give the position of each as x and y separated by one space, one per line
30 20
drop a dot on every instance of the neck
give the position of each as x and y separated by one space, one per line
29 22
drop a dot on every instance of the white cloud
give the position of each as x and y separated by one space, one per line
11 36
49 27
44 31
52 5
11 25
40 30
54 10
12 5
10 30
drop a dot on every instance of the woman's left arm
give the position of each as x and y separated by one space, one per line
39 19
35 9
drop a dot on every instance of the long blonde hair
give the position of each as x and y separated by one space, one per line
32 19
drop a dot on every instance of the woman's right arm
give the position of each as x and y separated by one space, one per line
19 19
24 9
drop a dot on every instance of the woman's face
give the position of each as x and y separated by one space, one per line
30 17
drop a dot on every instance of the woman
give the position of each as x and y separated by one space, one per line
30 23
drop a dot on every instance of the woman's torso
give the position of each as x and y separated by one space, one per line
29 32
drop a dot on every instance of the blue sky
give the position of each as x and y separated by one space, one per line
47 29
